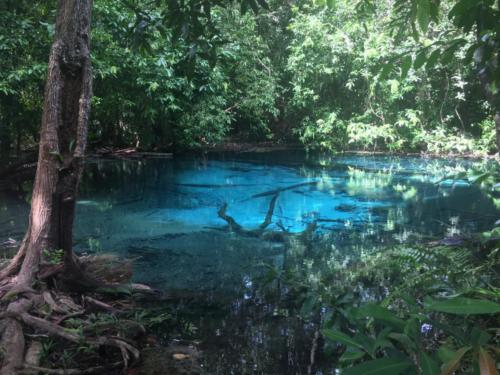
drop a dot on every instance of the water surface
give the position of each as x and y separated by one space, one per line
164 214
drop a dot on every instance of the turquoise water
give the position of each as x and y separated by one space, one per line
164 214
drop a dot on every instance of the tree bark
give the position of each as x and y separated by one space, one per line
497 129
62 143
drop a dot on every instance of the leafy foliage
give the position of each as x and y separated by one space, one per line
329 75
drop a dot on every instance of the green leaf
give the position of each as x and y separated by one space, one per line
405 66
434 11
478 179
388 67
342 338
263 4
433 58
478 337
469 55
429 365
308 305
381 313
493 234
453 363
423 14
253 5
462 306
449 53
420 59
461 8
383 366
352 356
445 354
404 340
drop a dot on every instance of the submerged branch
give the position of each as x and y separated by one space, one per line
235 227
270 212
277 191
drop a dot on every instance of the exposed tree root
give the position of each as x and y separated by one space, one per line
30 369
12 344
15 264
18 314
44 311
100 305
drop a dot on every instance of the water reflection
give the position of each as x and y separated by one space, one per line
163 213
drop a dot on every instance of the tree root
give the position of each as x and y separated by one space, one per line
30 369
100 305
12 344
15 264
18 313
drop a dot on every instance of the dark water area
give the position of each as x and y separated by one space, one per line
164 214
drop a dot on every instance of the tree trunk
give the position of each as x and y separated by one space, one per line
497 129
62 143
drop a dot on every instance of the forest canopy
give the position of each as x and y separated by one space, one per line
336 75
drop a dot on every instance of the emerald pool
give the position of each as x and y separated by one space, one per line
163 213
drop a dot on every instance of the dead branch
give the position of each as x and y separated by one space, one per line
233 225
277 191
270 212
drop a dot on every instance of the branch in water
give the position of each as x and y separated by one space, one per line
277 191
270 212
234 226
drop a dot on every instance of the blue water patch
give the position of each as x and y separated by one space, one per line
166 211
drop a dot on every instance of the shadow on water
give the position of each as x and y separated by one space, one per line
164 214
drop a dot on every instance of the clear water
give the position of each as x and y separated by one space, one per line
163 213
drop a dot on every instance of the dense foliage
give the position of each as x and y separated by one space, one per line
427 308
300 72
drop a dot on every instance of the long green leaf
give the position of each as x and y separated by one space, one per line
342 338
405 66
383 366
462 306
352 356
420 59
423 14
462 7
433 58
429 365
486 363
381 313
453 363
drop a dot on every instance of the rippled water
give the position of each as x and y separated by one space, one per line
164 214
